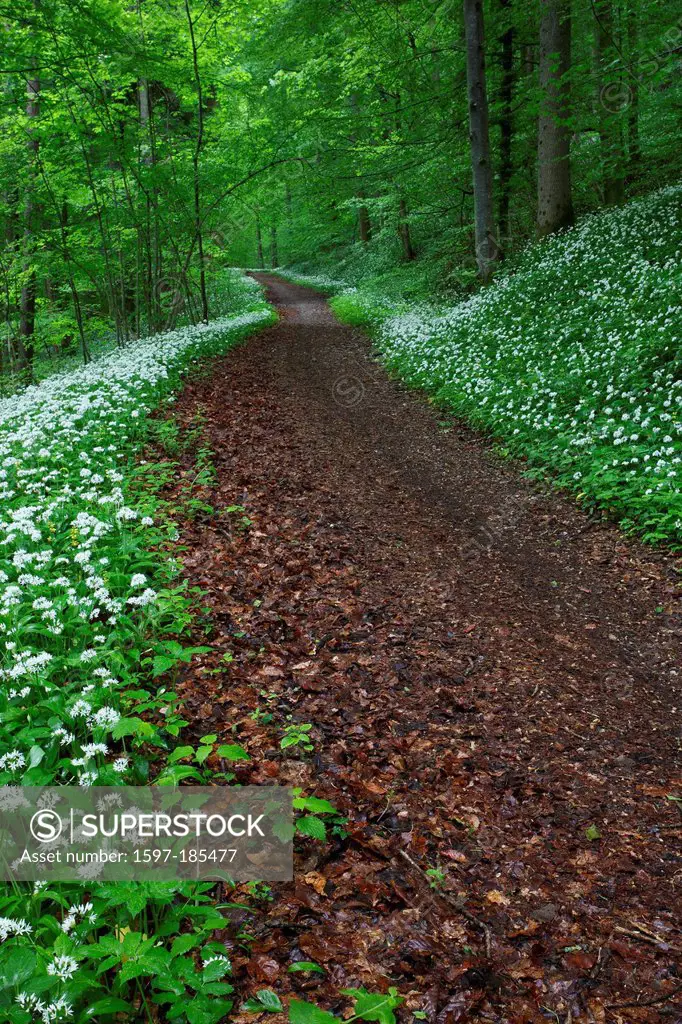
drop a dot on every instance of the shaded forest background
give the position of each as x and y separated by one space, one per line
148 147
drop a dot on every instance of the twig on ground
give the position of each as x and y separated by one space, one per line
455 904
646 1002
641 932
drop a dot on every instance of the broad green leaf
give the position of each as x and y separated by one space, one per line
233 752
311 826
301 1012
305 965
269 999
16 967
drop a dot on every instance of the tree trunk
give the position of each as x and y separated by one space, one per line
506 127
364 223
274 252
634 150
487 249
555 202
259 242
404 231
611 107
27 305
152 261
198 227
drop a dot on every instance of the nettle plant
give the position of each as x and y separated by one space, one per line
90 611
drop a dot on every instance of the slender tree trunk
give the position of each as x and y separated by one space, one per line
198 228
487 250
611 107
404 231
555 202
506 126
150 249
27 305
259 242
274 252
634 150
364 223
6 350
528 65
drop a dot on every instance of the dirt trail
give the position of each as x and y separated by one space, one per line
493 684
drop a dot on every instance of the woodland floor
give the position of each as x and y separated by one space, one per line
489 673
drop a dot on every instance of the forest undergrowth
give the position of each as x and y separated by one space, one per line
95 619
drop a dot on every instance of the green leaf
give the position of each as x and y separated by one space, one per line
180 753
311 826
375 1006
17 967
305 965
233 752
133 727
301 1012
184 942
189 652
162 664
315 804
269 999
202 1010
214 971
176 773
107 1005
593 833
35 756
202 753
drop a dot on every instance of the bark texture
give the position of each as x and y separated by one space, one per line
487 249
555 203
612 103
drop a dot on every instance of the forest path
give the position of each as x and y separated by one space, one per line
488 673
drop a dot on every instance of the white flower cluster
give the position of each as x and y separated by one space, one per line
72 546
323 281
574 358
58 1010
13 926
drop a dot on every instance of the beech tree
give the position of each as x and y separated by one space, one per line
487 249
611 98
555 200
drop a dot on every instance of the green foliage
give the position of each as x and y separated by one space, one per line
436 877
297 734
369 111
368 1006
93 620
305 965
266 1000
